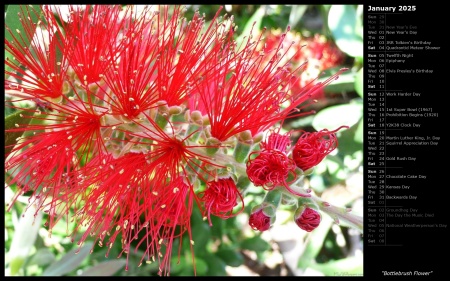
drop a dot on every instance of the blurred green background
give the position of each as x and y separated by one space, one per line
231 247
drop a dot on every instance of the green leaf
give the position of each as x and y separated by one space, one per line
216 266
359 28
348 140
352 266
335 116
107 268
14 24
201 266
343 24
16 264
69 262
359 134
359 82
296 14
42 257
255 19
177 265
10 123
334 166
231 257
302 122
256 244
9 109
317 183
201 231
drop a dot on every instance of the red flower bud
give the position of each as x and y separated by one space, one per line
307 219
260 221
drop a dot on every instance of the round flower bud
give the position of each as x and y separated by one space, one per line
307 218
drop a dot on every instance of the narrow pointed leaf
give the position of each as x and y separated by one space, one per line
69 262
107 268
255 19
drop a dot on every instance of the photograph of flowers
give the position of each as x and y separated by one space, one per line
184 140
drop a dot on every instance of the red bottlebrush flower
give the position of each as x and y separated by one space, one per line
260 221
311 148
272 168
169 220
42 64
307 218
128 86
251 99
43 162
158 64
93 39
220 198
190 50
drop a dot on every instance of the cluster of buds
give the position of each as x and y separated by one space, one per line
279 168
140 115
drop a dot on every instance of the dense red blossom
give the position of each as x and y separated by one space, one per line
277 141
49 157
220 198
323 50
42 69
312 147
92 47
257 87
270 168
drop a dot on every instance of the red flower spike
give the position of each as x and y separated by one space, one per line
132 198
189 50
220 198
270 169
307 219
231 104
130 86
251 98
311 148
169 221
45 62
45 163
93 39
260 221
